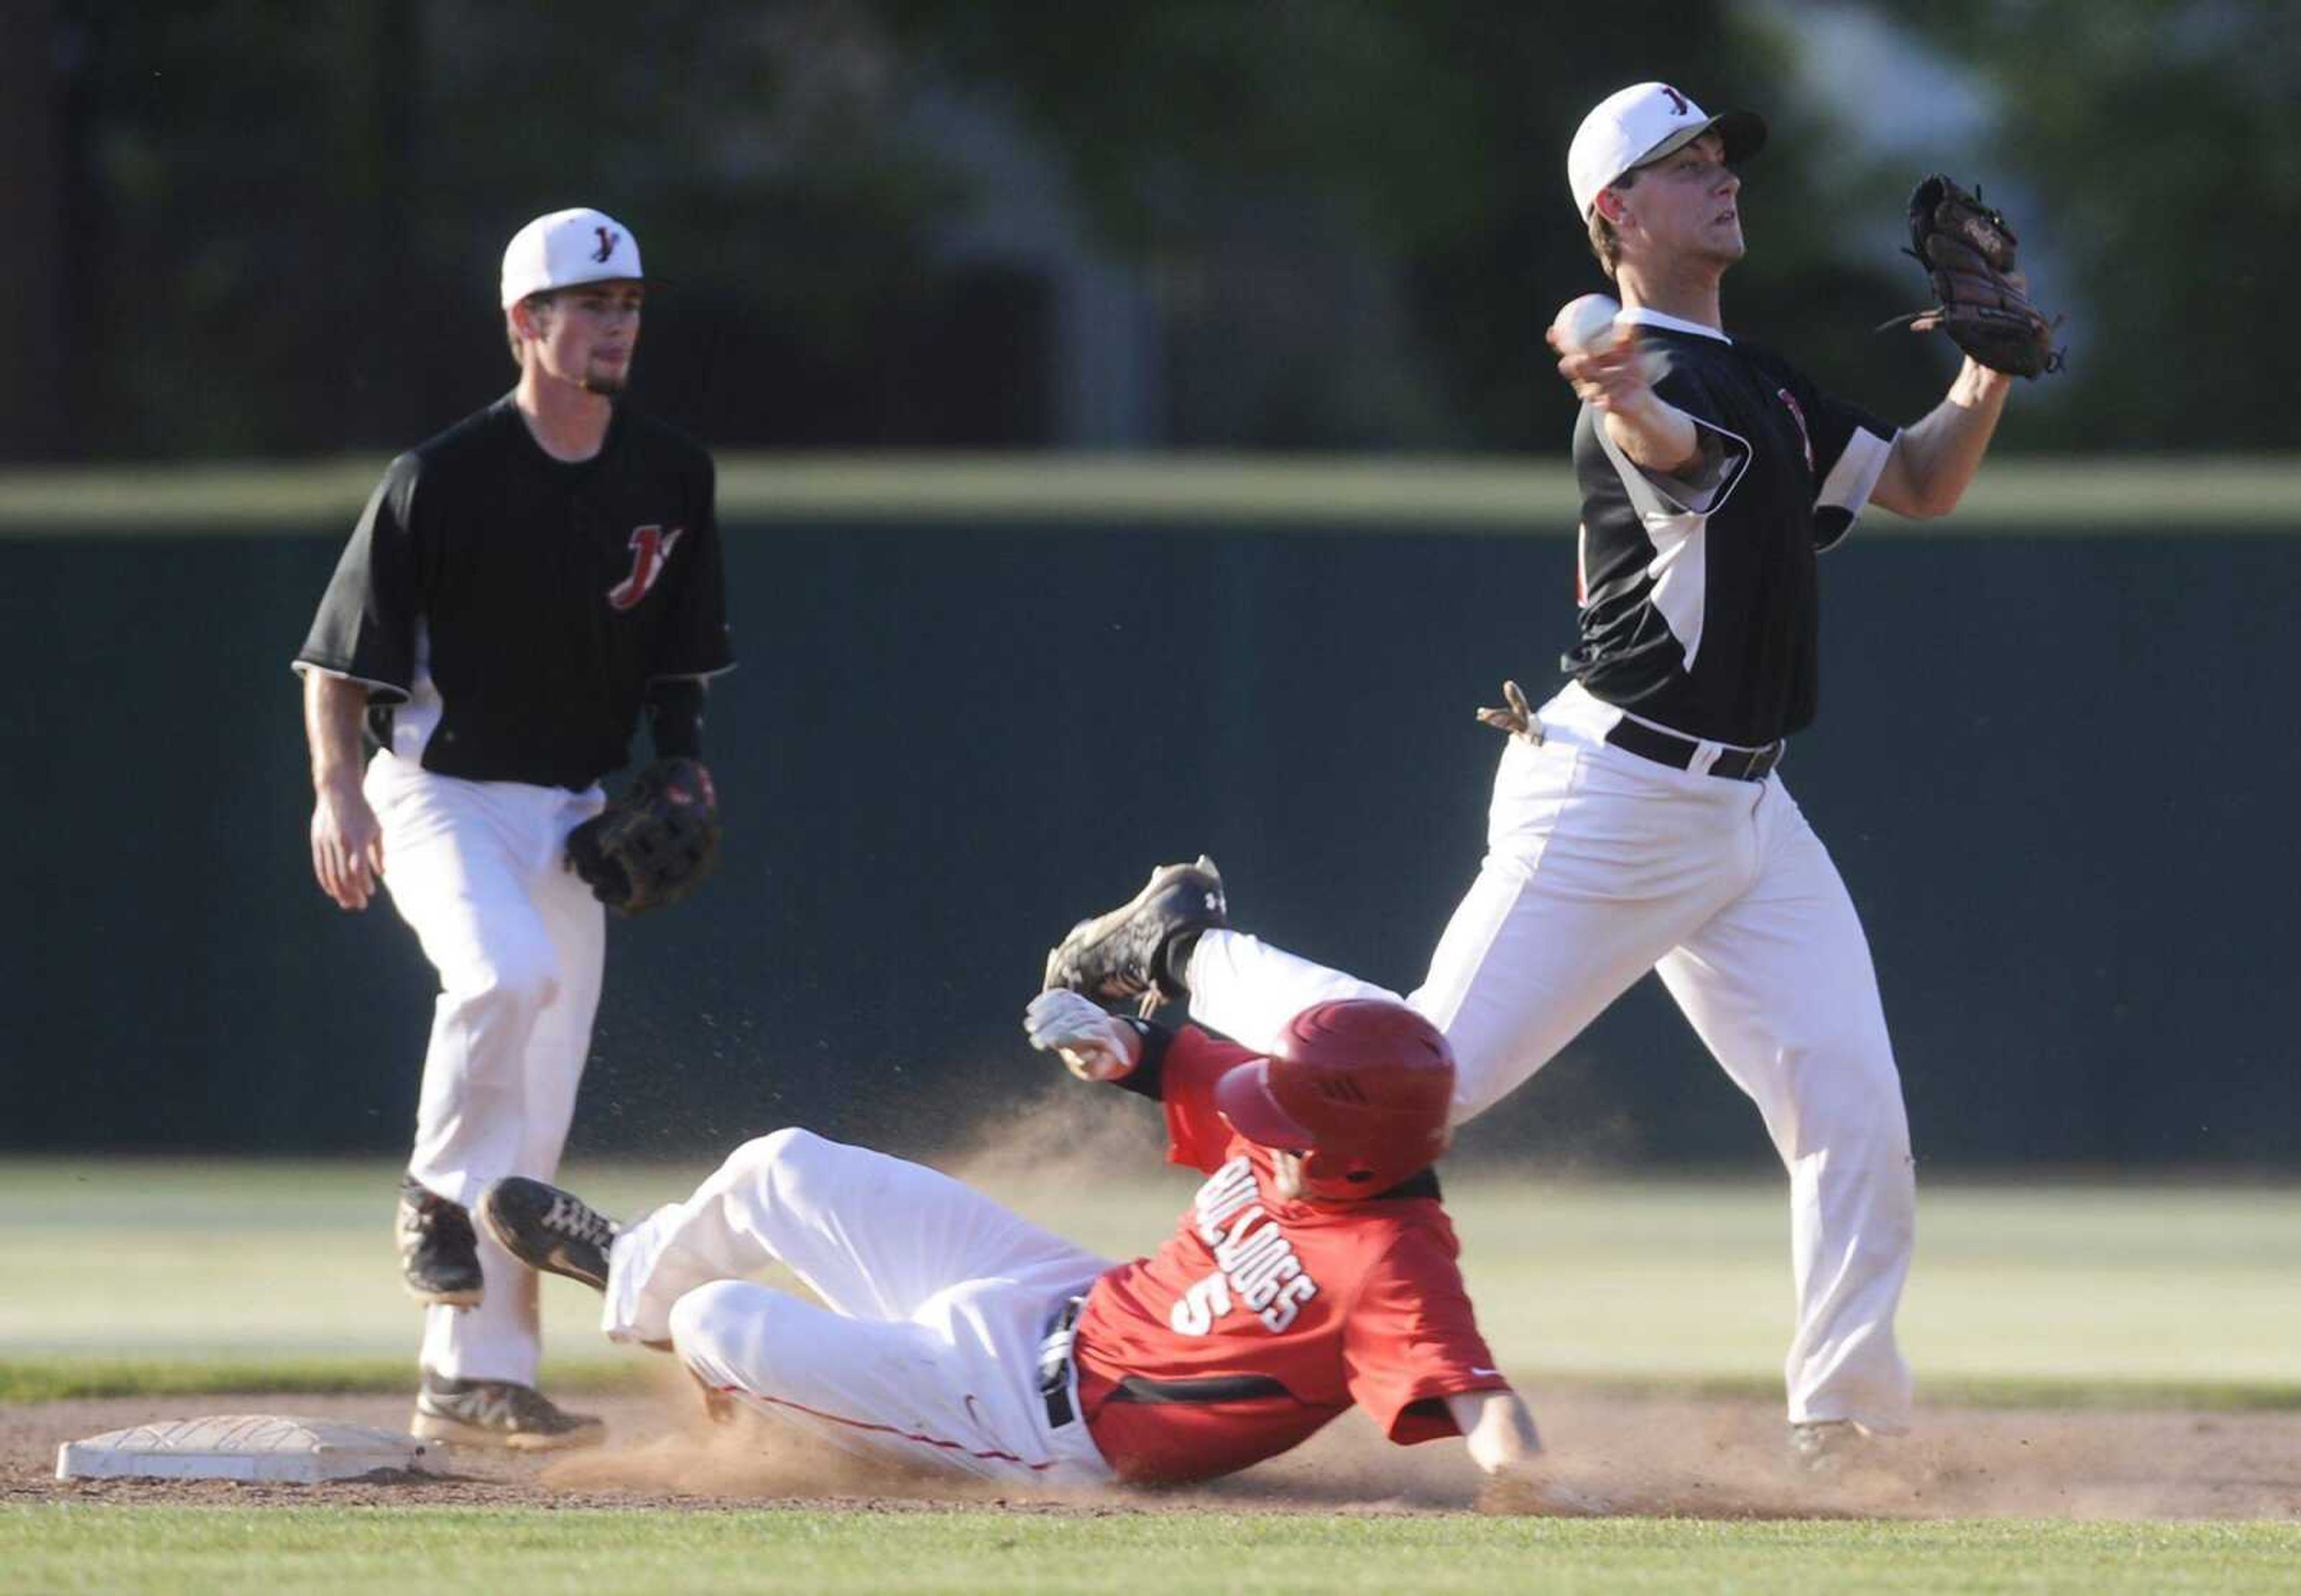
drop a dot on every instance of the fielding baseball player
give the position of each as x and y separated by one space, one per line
1638 823
519 591
1314 1271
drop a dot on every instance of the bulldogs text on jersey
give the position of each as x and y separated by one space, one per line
1255 1264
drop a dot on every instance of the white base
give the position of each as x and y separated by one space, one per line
238 1446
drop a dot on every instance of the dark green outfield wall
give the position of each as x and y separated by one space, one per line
2059 774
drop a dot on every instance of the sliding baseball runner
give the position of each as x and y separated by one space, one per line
1314 1271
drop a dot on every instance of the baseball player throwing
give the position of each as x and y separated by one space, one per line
1638 823
520 590
1314 1270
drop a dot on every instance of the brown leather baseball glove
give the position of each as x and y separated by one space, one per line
1982 302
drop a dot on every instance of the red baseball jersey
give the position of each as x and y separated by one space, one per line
1261 1320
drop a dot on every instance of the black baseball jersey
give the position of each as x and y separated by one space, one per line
514 609
1699 609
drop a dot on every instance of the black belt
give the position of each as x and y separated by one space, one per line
1055 1364
1667 747
1055 1378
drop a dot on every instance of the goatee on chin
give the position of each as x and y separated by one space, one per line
607 384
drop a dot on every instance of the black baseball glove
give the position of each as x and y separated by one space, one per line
1981 301
656 843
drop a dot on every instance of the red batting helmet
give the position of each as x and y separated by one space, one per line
1364 1086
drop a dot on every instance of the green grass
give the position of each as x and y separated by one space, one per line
175 1277
1505 494
348 1550
43 1377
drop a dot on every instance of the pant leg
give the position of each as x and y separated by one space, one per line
1247 990
472 868
561 1043
1781 987
1597 863
953 1386
502 1338
874 1237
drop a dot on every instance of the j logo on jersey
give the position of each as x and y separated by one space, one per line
650 547
1255 1266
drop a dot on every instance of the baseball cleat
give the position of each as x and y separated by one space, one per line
547 1229
498 1413
1829 1447
439 1255
1141 948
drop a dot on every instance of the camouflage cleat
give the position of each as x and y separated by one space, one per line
547 1229
439 1255
500 1414
1141 948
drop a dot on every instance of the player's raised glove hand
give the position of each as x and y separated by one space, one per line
1981 301
1093 1045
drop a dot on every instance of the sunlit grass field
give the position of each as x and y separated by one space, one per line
2070 1292
539 1553
155 1276
2038 494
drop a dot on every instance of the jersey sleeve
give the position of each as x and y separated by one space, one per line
365 629
1197 1134
693 642
1725 453
1850 450
1411 1339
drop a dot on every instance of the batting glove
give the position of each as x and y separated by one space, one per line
1093 1045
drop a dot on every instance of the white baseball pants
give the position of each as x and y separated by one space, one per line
1602 866
936 1303
519 942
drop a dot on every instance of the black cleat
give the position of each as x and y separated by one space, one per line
498 1413
438 1256
548 1229
1141 948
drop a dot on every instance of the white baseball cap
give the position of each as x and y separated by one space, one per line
565 248
1645 123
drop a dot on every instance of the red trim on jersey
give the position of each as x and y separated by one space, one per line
856 1424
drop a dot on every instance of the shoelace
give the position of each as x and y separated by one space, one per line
571 1218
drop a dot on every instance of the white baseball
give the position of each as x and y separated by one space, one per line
1584 321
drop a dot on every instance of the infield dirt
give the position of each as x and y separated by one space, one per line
1643 1455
